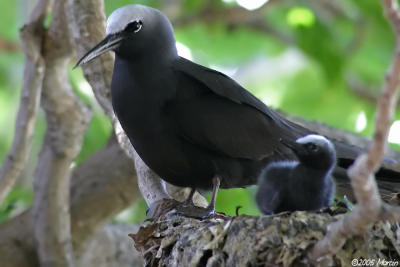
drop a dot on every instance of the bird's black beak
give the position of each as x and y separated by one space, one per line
109 43
296 147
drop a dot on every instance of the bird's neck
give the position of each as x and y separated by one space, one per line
314 174
142 69
148 57
322 163
140 80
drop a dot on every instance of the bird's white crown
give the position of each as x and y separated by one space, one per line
122 16
319 140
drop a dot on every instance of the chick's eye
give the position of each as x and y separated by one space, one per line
312 147
134 26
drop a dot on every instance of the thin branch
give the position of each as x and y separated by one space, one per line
369 208
9 46
31 36
235 17
362 91
67 120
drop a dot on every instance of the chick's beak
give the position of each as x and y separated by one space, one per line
295 147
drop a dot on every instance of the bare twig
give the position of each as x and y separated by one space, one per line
9 46
235 17
362 91
369 208
67 120
31 36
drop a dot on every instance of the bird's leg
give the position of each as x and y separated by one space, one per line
216 184
189 200
190 210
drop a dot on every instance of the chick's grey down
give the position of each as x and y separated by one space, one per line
187 122
304 184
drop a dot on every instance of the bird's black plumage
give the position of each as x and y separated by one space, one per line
305 184
187 122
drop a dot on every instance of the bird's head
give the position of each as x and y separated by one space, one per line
135 31
313 150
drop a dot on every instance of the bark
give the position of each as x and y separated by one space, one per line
87 27
281 240
111 247
67 120
102 186
107 175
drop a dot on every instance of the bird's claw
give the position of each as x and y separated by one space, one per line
195 211
163 206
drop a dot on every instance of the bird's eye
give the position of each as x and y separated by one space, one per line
312 147
134 26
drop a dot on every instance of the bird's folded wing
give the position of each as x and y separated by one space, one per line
224 86
226 118
219 125
219 83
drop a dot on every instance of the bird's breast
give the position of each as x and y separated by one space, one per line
141 105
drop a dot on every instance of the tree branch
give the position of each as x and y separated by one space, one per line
31 37
107 174
234 17
110 247
363 91
9 46
369 208
67 120
87 26
280 240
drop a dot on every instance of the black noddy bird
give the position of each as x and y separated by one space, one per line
305 184
194 126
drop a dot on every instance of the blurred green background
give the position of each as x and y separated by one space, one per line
320 59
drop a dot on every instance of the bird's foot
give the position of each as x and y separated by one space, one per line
190 210
187 207
163 206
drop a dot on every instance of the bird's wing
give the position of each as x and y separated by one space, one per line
223 86
223 117
219 125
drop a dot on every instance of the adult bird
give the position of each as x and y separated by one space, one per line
304 184
194 126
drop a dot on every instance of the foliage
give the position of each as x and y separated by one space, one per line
336 47
16 201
